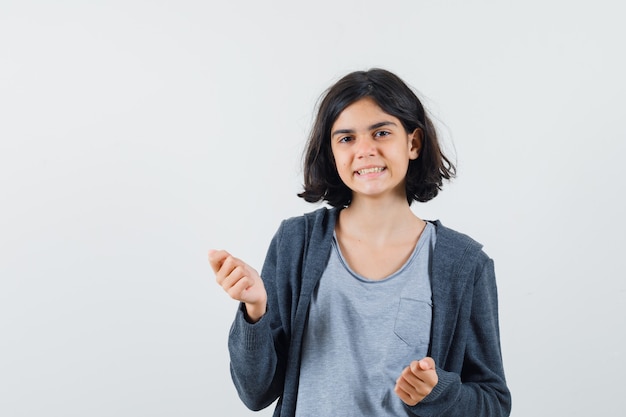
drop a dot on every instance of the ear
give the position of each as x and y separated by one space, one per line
415 143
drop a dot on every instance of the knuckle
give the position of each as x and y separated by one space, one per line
228 261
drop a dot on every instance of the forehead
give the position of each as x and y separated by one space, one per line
363 112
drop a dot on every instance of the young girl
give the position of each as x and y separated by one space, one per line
364 309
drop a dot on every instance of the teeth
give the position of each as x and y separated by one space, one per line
369 171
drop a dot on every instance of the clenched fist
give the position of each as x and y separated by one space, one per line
416 381
240 281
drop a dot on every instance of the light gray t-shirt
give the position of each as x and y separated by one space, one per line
361 334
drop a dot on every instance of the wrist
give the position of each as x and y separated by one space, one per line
254 312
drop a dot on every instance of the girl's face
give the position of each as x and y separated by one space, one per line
372 150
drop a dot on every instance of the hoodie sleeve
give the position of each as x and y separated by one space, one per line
257 350
479 389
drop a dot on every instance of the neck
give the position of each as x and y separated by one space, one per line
378 220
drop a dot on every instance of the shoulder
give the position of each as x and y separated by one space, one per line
452 244
458 261
323 218
308 236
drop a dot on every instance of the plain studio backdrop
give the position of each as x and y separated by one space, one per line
136 135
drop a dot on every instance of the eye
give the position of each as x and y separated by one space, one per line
345 139
382 133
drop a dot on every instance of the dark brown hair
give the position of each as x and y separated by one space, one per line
425 174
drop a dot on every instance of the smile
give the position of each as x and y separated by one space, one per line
370 170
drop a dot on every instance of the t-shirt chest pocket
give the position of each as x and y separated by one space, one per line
413 322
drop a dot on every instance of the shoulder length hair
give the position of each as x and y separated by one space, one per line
425 174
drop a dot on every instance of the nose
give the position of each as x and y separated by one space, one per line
366 146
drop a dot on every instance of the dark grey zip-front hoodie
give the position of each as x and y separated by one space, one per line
465 339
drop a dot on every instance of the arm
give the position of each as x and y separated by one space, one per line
476 387
256 342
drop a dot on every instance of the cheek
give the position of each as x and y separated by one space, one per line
343 169
339 161
346 167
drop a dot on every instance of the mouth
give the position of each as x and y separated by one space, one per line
366 171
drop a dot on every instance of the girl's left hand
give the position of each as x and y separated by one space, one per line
416 381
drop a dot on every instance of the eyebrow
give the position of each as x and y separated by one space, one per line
372 127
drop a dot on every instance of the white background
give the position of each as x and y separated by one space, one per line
136 135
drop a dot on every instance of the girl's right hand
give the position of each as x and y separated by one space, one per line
241 282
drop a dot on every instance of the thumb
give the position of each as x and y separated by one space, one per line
216 258
426 364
